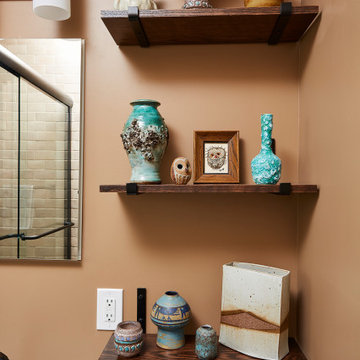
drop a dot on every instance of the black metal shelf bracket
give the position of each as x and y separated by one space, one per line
132 189
281 23
135 22
141 308
285 189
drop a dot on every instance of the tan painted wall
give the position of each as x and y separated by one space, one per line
48 310
329 247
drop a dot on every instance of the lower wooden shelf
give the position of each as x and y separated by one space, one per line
283 189
152 352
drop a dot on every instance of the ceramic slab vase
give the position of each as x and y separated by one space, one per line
171 313
255 309
145 138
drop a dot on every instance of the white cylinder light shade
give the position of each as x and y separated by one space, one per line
52 9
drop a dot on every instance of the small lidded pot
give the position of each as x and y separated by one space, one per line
128 338
206 343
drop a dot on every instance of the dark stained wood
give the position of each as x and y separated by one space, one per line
210 188
152 352
209 26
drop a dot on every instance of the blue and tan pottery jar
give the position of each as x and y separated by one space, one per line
266 167
170 314
145 138
128 338
206 343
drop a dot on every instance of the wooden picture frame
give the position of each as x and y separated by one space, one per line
216 157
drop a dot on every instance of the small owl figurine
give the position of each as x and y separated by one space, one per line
180 171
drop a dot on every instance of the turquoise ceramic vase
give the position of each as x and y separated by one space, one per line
266 167
145 138
170 314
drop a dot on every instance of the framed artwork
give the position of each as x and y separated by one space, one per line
216 157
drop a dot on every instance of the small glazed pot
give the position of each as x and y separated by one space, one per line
128 338
261 3
206 343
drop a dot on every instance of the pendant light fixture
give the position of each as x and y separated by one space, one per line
57 10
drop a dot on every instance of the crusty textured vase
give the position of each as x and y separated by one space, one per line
266 166
255 309
171 313
145 138
128 338
206 343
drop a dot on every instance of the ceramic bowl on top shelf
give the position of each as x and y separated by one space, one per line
128 338
141 4
262 3
197 4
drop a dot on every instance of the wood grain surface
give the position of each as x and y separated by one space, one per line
152 352
209 26
211 188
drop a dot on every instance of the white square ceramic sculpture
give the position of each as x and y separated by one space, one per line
255 309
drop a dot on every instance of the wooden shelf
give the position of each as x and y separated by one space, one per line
208 26
152 352
211 188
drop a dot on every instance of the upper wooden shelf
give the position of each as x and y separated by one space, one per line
284 189
151 352
208 26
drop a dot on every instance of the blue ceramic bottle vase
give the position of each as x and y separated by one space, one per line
266 166
170 314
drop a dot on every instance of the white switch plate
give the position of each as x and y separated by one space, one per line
109 308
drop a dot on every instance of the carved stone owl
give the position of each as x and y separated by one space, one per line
216 157
180 171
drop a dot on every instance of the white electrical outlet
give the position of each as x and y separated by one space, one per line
109 308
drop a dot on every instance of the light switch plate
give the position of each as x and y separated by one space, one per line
109 308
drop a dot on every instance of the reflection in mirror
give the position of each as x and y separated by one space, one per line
41 148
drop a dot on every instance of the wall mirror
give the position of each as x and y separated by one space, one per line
41 121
